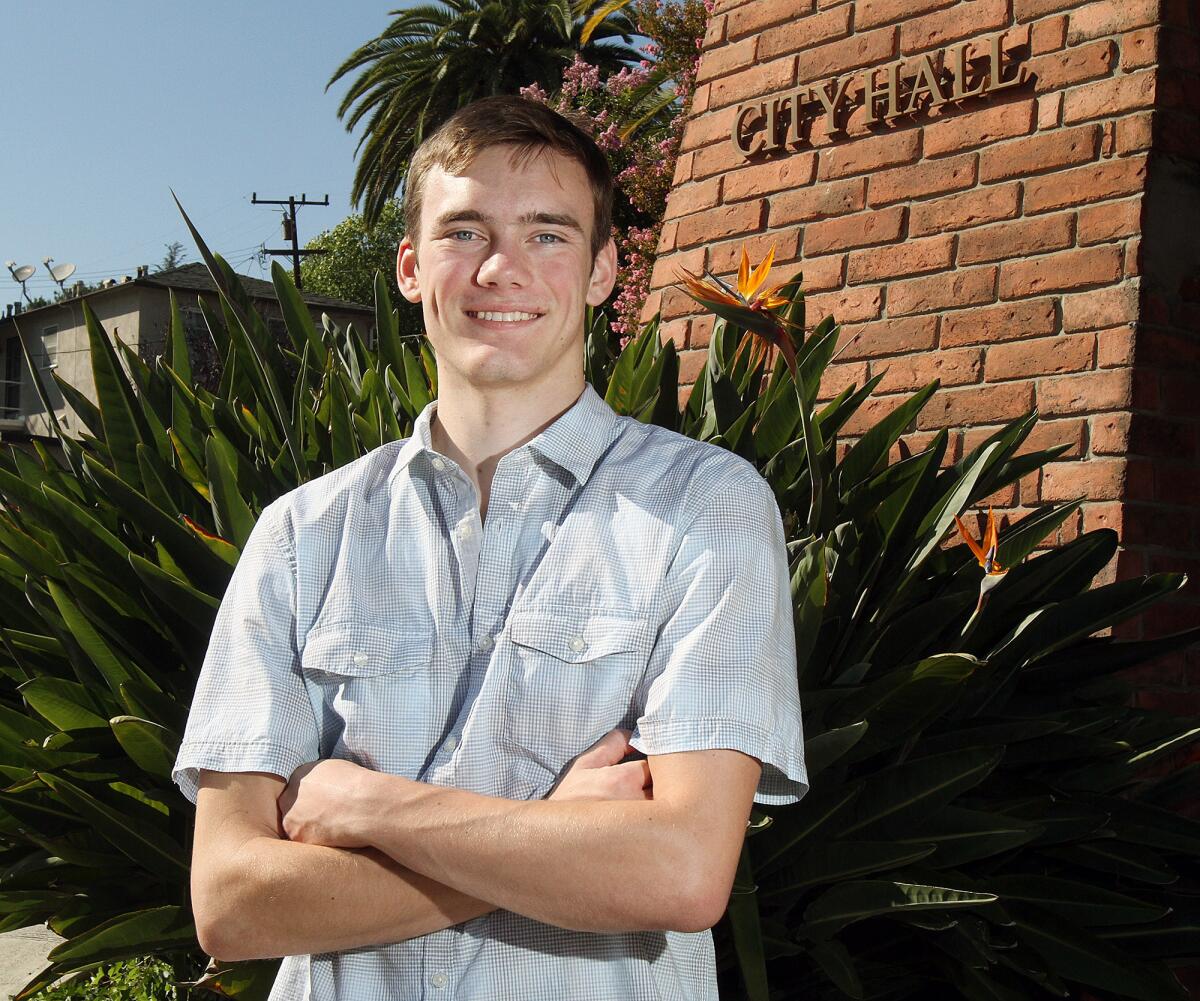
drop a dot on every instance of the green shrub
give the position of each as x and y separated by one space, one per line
148 979
980 825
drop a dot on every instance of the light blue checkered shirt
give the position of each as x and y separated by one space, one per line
625 575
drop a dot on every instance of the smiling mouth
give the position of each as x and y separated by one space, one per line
498 317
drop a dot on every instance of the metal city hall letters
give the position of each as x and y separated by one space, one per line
903 87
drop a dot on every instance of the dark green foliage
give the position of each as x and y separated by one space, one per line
979 825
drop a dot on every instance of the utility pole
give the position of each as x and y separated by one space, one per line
289 229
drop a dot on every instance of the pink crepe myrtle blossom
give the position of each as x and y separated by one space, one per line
643 161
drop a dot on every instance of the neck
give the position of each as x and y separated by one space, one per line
477 428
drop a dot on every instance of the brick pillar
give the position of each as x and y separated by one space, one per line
1035 245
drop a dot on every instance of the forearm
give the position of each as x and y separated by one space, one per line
283 898
589 866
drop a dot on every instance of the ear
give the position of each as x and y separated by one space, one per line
604 274
406 271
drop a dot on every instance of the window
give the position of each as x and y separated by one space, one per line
194 327
10 387
50 347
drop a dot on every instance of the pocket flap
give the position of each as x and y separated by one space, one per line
359 650
577 636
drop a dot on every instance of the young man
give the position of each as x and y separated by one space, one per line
449 646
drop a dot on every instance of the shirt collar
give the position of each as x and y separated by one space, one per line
575 440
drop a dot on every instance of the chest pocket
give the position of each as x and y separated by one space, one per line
371 690
575 675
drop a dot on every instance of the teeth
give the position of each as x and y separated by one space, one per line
508 317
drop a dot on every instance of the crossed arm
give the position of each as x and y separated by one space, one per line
376 858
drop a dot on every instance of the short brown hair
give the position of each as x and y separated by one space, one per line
509 120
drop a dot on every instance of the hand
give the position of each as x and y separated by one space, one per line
323 804
598 773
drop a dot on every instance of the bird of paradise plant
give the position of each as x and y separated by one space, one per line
749 305
985 555
985 549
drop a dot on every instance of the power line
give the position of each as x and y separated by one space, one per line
289 230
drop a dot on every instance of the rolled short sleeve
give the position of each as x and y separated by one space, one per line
251 711
722 673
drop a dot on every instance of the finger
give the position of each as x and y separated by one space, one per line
636 767
642 766
608 750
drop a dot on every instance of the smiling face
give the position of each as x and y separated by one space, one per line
503 270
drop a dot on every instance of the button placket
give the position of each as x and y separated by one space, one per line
496 542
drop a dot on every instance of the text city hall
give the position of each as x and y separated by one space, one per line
897 88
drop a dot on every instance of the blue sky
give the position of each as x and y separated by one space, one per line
107 106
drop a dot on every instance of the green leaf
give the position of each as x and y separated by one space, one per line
233 516
813 447
248 338
248 981
1075 954
147 846
67 705
1059 624
152 748
112 667
838 965
917 787
872 448
124 424
834 862
1120 858
828 748
1081 903
791 827
938 522
296 316
193 556
419 390
1098 656
747 931
856 901
134 934
961 835
809 588
84 408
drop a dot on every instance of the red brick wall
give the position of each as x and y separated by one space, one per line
1001 245
1161 523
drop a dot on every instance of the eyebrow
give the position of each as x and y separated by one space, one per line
544 218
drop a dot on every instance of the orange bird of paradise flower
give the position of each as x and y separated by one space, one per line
985 550
748 306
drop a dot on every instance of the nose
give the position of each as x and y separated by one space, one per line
504 265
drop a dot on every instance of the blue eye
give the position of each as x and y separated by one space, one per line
460 232
553 236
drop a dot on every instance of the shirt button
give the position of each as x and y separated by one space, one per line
439 980
578 644
360 658
452 742
485 643
465 531
438 464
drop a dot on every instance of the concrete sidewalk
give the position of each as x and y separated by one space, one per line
22 954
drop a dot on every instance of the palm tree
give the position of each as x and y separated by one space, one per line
433 59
